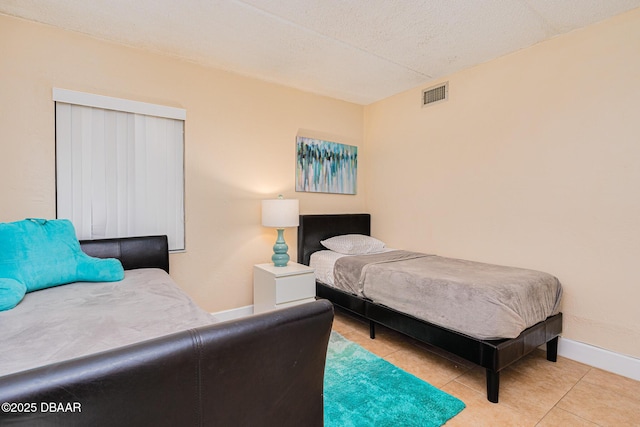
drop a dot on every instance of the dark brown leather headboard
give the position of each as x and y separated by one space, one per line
133 252
314 228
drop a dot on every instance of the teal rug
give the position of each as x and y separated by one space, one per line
361 389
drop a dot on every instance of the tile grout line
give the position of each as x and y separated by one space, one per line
563 396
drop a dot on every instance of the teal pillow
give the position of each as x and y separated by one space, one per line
11 293
39 254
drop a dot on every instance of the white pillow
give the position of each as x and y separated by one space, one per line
353 244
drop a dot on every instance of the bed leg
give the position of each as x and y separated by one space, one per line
493 385
372 330
552 350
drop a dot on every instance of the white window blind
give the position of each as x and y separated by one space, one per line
119 173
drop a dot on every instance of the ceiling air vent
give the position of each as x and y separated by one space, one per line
435 94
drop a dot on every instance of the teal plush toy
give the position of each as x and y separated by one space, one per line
37 254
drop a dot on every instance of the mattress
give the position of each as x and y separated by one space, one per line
324 262
484 301
64 322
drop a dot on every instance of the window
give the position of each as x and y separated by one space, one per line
119 167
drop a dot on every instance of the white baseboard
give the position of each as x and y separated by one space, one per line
234 313
584 353
600 358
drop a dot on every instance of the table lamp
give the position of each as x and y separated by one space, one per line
280 213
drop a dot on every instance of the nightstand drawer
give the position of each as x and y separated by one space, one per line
279 287
293 288
292 303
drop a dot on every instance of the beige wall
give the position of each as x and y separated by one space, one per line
239 145
532 162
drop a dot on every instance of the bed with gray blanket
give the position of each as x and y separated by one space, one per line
484 301
488 314
139 352
63 322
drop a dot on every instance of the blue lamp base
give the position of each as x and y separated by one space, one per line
280 257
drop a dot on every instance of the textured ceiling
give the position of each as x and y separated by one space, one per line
360 50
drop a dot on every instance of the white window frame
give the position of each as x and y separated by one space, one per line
140 112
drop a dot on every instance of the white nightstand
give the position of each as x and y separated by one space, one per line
280 287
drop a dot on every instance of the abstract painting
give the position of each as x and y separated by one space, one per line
326 167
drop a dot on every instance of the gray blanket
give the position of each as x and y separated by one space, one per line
481 300
56 324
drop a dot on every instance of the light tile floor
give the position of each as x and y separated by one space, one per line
533 391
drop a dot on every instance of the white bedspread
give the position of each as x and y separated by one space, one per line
324 261
78 319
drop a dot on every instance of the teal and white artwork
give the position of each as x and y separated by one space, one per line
326 167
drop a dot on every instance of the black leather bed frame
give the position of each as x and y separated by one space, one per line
133 252
493 355
224 374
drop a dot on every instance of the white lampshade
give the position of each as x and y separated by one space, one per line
280 213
